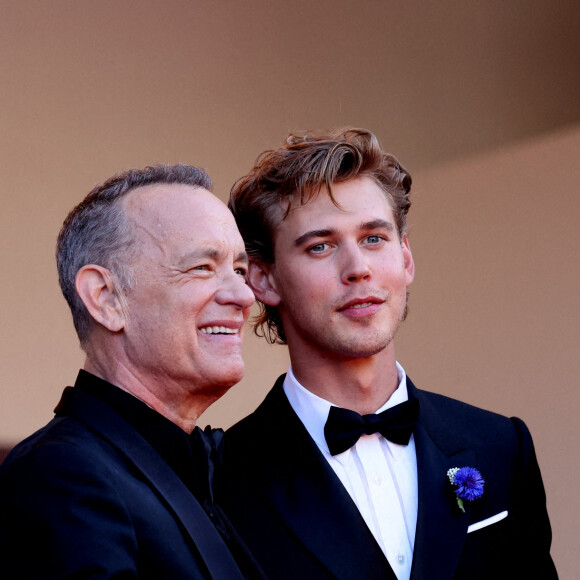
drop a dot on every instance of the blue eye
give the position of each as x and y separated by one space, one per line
318 248
374 239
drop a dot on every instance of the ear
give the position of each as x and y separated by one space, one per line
97 289
262 283
408 259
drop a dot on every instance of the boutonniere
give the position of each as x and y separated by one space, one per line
468 482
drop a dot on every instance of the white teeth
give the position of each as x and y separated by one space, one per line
219 330
361 305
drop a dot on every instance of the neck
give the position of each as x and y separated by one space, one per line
179 403
359 384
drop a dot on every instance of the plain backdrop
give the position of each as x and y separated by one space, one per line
479 100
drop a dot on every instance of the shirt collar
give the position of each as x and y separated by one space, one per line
313 410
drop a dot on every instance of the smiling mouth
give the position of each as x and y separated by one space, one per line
219 330
358 304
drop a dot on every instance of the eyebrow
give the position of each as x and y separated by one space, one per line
364 227
242 257
376 224
313 234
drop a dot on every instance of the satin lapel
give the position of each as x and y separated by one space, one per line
118 433
441 525
307 495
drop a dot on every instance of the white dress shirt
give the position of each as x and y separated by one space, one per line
380 476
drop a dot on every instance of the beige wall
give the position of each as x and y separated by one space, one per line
494 312
479 101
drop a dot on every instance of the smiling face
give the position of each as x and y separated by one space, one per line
340 275
185 313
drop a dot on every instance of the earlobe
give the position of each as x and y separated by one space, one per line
262 283
99 293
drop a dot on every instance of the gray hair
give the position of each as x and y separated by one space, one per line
97 232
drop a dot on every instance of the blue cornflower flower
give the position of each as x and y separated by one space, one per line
469 484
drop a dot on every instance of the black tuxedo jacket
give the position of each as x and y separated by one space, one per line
87 497
300 522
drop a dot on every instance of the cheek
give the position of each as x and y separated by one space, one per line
393 266
309 288
305 281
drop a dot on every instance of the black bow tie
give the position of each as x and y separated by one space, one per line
343 427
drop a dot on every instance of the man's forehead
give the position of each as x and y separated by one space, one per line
167 208
336 210
189 224
322 196
157 196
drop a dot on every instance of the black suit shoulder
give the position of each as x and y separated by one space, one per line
54 446
454 424
83 509
460 419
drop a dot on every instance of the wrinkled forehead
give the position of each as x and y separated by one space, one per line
172 213
162 201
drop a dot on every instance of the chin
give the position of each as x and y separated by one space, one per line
358 347
359 351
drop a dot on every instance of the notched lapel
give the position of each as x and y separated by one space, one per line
315 505
441 525
308 496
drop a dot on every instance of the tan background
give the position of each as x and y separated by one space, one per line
480 102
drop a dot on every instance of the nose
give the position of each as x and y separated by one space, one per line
234 290
355 265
